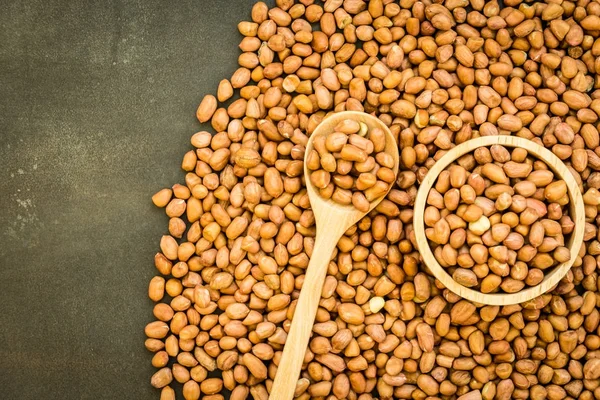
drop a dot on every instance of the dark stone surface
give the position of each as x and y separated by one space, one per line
97 107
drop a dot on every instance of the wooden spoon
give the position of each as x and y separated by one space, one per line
332 221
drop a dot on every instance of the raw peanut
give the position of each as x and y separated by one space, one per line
247 157
156 289
191 390
163 312
162 197
425 337
207 108
160 359
461 311
516 170
555 191
489 283
332 361
167 393
204 359
255 366
376 304
181 191
480 226
211 386
162 378
591 369
465 277
201 297
351 313
157 330
474 395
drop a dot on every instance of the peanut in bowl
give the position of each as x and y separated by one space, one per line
499 227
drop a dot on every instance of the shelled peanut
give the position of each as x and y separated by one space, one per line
498 219
241 229
350 165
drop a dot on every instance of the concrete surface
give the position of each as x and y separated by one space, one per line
97 106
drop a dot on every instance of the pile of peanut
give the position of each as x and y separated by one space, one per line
241 231
350 165
497 220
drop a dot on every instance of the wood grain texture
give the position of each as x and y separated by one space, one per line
576 211
332 220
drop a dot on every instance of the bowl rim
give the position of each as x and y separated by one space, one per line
576 210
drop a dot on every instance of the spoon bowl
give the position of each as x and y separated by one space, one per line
332 220
327 208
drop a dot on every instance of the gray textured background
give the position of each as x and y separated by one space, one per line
97 106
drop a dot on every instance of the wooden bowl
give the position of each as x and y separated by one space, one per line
576 212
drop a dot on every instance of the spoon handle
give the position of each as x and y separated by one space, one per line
296 343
